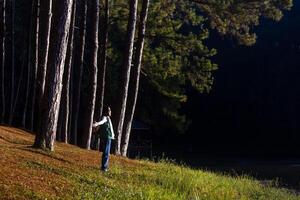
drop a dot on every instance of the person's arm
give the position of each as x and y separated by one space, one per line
103 120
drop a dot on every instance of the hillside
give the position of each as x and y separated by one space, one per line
73 173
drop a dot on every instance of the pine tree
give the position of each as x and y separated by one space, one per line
3 46
44 50
91 98
56 61
24 114
12 90
36 64
125 75
65 104
135 78
238 17
103 35
79 70
42 68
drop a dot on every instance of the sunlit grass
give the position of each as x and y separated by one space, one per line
73 173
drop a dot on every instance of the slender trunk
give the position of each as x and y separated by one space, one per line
59 124
91 99
28 68
42 68
125 74
44 51
12 92
21 74
3 58
71 102
36 63
20 82
66 81
135 78
77 86
54 78
102 63
102 59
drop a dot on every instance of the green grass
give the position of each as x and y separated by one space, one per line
73 173
168 181
162 180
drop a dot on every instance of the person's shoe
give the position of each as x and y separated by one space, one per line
104 170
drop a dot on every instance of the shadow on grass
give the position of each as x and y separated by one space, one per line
44 153
20 142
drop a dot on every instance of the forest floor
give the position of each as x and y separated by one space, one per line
73 173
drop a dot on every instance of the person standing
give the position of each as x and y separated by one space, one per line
106 135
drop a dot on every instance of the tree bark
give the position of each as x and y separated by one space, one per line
71 96
12 92
36 63
125 75
91 99
102 63
54 78
66 82
42 68
44 51
20 82
135 78
77 84
24 115
3 59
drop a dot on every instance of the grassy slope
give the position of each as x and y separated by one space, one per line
73 173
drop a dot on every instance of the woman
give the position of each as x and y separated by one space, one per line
107 134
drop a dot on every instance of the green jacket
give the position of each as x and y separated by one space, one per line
106 128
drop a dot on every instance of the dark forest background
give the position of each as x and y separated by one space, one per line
254 105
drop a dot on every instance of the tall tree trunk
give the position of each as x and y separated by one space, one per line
36 63
102 60
77 84
102 63
20 81
12 92
44 51
71 97
54 78
24 115
42 68
135 78
91 98
64 111
3 59
125 74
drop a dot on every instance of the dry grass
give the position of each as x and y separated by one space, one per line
24 168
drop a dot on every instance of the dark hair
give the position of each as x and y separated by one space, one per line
106 111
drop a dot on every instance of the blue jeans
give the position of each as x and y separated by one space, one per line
106 152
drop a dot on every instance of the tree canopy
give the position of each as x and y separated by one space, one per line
239 17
